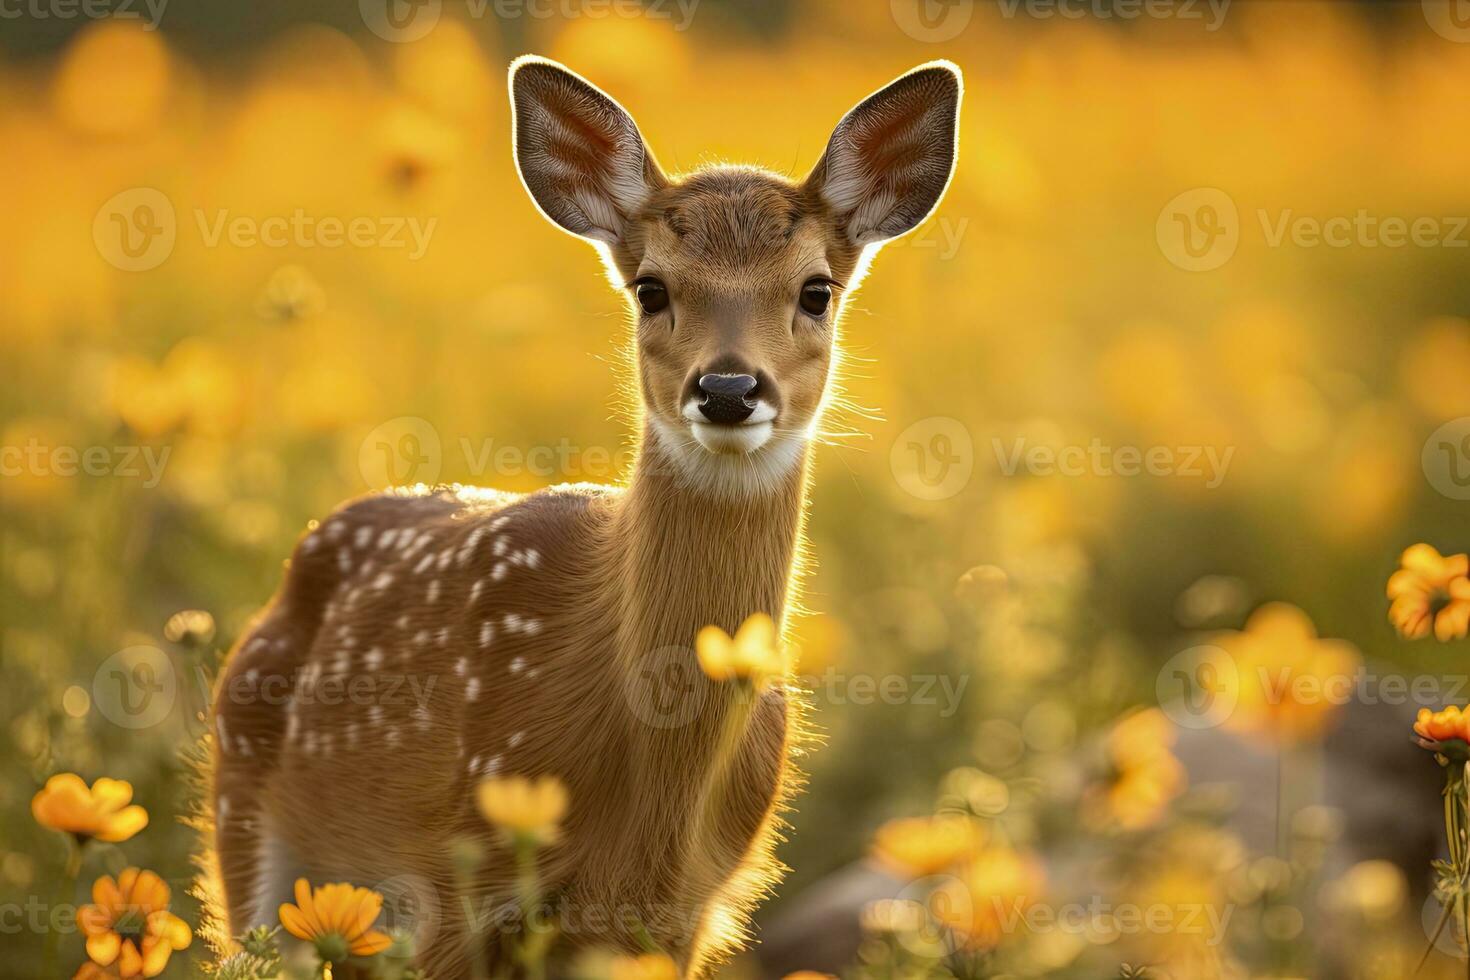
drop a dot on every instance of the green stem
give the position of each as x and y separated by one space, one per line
68 893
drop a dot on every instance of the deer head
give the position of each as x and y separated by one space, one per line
736 276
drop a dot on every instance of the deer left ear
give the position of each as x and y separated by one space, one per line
890 158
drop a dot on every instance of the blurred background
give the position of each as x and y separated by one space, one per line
197 361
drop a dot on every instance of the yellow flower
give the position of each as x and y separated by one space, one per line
649 966
919 846
129 926
989 897
66 804
1430 592
526 809
809 975
753 654
336 919
1290 681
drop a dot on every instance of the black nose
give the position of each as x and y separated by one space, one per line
724 397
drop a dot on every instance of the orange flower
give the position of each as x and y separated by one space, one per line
1430 592
336 919
66 804
1442 726
919 846
129 926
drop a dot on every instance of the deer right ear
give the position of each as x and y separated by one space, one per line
579 153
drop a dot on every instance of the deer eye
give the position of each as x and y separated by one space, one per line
816 295
652 296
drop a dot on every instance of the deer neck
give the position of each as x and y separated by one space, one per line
688 559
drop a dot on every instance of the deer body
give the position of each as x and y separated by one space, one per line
425 640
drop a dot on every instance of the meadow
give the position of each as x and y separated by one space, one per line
1151 410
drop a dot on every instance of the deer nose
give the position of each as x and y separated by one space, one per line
724 397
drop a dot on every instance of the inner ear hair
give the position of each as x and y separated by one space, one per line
890 159
579 153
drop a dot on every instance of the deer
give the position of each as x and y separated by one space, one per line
550 634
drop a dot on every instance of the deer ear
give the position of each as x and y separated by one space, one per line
579 153
890 158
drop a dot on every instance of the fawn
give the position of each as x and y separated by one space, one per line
551 633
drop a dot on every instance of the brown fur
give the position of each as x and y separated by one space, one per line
592 596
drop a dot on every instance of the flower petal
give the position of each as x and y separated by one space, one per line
123 824
104 947
296 922
111 795
370 944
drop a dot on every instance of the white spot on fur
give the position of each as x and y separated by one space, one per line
517 665
431 596
472 690
517 739
500 571
362 537
487 634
